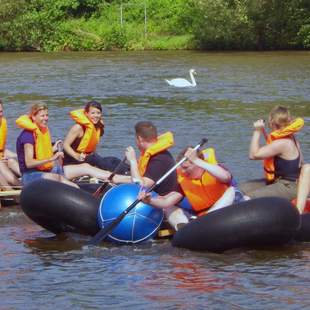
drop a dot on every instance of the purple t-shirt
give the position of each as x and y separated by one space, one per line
26 137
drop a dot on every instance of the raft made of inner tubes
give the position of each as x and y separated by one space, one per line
253 223
60 208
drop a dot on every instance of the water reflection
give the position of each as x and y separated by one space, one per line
233 90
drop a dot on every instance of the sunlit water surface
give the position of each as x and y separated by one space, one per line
38 271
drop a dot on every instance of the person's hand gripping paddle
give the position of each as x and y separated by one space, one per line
105 231
102 187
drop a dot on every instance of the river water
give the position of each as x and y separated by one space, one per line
38 271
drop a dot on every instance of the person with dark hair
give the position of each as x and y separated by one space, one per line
9 170
37 157
281 155
83 137
155 159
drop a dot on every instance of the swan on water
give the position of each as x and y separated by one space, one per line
183 82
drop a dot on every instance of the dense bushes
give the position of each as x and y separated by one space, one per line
170 24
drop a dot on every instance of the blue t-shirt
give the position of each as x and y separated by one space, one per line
26 137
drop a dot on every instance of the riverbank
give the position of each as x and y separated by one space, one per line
96 25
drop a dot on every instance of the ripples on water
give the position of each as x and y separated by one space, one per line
234 89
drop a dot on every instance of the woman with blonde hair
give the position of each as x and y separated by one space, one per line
281 154
37 157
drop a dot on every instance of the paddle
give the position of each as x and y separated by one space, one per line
102 187
59 162
103 233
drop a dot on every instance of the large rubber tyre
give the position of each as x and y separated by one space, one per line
60 208
257 222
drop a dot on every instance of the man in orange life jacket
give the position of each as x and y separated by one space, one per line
154 162
9 170
205 187
282 156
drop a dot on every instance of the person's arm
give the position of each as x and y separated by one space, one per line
31 162
303 188
161 202
76 131
135 176
216 170
134 170
256 151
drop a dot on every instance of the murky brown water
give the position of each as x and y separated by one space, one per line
233 90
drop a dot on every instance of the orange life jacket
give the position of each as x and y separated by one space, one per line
285 132
91 135
3 134
202 193
164 142
43 145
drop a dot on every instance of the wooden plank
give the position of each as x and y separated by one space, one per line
11 193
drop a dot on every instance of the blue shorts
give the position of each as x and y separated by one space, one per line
33 175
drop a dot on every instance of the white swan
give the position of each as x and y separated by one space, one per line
183 82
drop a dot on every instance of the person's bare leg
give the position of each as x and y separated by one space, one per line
303 187
59 178
13 165
226 200
176 216
4 185
12 162
74 171
8 174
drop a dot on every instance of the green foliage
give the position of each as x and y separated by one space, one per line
304 35
276 23
221 25
170 24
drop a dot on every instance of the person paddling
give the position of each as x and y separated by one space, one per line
204 186
282 156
